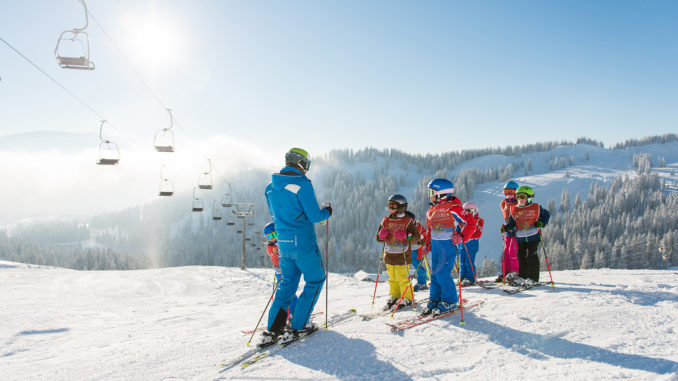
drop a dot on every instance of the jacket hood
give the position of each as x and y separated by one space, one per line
286 175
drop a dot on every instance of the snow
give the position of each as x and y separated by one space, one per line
181 323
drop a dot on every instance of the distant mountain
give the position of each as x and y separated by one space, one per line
33 141
570 179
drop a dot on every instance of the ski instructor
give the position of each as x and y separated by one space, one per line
293 205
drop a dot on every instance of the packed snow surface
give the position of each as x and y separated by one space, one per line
181 323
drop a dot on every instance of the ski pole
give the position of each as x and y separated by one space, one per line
381 259
262 314
409 278
428 269
461 303
470 262
543 246
327 271
503 263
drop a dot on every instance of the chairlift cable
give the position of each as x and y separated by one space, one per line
53 80
69 92
148 87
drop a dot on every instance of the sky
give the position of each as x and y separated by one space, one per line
423 77
247 80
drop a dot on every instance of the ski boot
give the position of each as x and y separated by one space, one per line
268 338
443 307
291 335
390 303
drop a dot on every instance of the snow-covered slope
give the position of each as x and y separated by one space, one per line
591 165
180 323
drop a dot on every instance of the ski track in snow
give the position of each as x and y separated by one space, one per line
180 323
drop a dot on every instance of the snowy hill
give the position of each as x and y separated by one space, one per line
181 323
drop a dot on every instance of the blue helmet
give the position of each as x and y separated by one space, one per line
269 228
440 188
511 185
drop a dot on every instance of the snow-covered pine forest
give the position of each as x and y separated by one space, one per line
611 207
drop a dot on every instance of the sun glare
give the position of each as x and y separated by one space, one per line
154 40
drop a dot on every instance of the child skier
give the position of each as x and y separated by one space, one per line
468 271
396 231
448 224
273 252
526 219
419 254
509 263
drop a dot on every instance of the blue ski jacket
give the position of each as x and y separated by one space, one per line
292 203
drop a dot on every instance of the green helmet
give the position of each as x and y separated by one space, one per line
525 190
299 157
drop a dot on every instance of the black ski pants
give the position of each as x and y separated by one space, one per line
528 260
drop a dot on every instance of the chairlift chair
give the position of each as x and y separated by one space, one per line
205 179
109 154
166 188
164 139
216 211
198 205
166 185
227 198
72 48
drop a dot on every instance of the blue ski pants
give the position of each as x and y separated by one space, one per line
293 304
295 262
442 289
467 257
421 273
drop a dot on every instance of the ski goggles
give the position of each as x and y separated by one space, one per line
392 207
271 236
432 192
521 196
509 192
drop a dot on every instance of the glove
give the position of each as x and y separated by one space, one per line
277 270
502 229
538 224
327 206
383 233
400 235
421 253
457 238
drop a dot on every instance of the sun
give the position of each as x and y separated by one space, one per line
154 40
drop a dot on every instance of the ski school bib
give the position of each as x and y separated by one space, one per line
391 244
442 220
525 218
506 207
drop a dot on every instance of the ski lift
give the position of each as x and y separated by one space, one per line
72 49
250 224
216 211
197 203
239 231
227 198
109 154
230 222
164 139
205 179
166 185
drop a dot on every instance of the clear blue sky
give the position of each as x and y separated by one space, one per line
421 76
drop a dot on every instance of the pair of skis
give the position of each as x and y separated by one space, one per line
255 355
508 288
418 320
